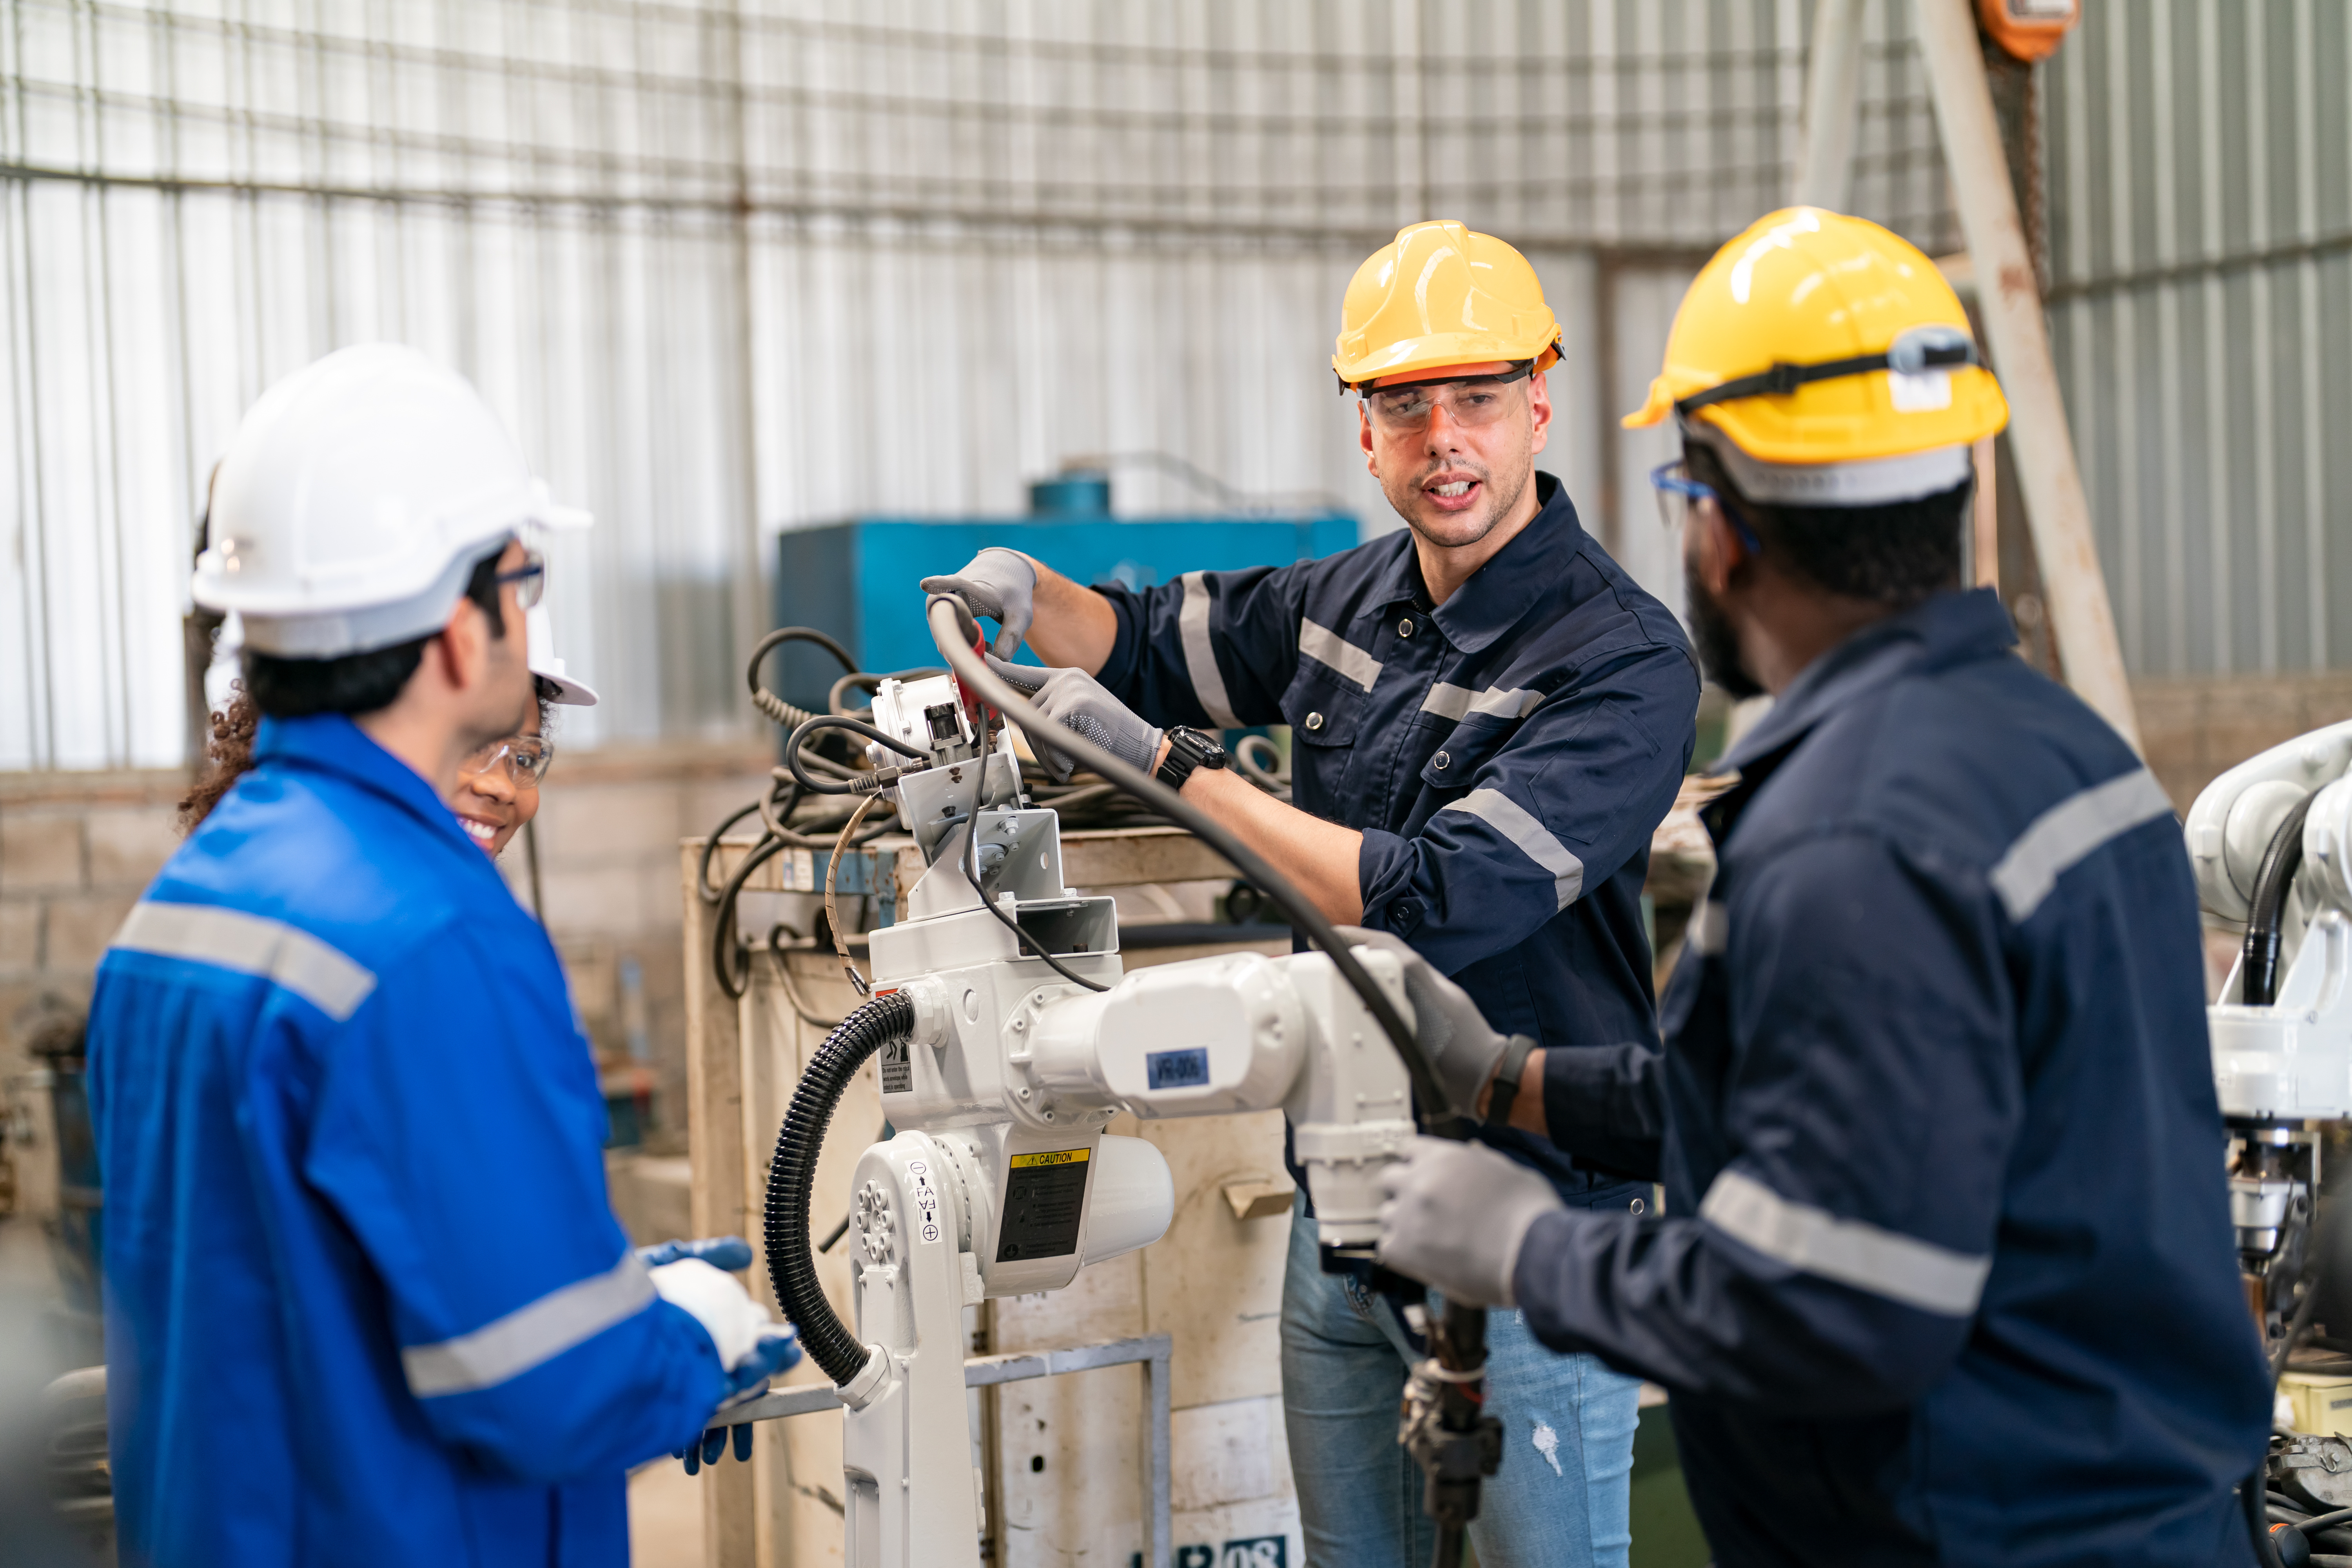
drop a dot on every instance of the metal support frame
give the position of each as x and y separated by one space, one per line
1825 171
1151 1351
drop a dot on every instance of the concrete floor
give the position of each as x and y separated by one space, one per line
665 1517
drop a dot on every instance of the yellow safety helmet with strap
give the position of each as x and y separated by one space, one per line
1441 295
1829 363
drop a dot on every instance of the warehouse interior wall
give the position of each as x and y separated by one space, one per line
732 269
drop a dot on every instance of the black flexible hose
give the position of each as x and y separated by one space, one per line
791 1266
837 721
2266 921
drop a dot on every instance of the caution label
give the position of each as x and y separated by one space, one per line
1044 1199
897 1068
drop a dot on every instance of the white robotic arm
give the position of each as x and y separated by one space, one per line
1000 1178
2271 842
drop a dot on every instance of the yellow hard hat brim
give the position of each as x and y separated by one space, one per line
1443 348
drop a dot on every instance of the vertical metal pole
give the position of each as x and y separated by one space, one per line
1163 1528
1824 176
2056 507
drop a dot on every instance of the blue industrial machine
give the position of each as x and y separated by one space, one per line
856 579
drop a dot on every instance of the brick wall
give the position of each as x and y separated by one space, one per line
76 850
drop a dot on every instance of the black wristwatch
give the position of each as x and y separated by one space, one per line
1188 749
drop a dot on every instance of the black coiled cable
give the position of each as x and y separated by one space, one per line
791 1266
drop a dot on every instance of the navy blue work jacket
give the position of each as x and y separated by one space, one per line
366 1301
1946 1272
1505 756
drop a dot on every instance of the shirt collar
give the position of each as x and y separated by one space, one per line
333 743
1950 628
1533 563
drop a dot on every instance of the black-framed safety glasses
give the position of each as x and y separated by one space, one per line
1472 400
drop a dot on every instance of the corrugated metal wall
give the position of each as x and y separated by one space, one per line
2199 178
727 271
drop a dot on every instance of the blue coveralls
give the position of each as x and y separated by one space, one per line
1946 1272
366 1299
1505 756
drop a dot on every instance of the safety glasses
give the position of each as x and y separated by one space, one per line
1471 400
525 758
529 579
1677 492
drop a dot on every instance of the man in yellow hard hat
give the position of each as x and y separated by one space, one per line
1945 1271
1490 717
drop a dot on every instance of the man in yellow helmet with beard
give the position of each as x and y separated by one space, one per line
1945 1272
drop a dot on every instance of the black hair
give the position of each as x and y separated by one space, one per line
1893 555
358 682
546 692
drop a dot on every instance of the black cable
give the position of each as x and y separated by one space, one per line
2258 1525
723 946
971 864
767 701
835 721
977 678
2266 920
702 871
792 1268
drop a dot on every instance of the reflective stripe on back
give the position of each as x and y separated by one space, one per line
2076 827
1884 1262
540 1332
1328 648
1458 701
252 944
1200 654
1508 817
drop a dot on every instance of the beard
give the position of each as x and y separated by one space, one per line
1717 642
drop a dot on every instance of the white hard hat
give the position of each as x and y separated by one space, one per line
355 499
540 626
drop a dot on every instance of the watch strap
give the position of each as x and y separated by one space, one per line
1188 749
1505 1092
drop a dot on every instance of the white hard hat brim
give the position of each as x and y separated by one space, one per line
309 633
569 693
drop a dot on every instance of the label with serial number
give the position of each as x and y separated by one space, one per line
1177 1069
1044 1199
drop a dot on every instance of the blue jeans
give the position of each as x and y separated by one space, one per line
1560 1498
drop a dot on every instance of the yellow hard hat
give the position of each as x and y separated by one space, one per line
1439 296
1819 339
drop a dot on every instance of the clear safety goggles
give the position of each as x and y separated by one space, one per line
1469 400
525 759
1677 493
529 579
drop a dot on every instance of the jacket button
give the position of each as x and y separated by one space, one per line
1401 910
1315 721
1442 760
1404 628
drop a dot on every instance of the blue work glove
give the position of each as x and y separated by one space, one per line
696 1277
1076 700
730 1253
998 583
1456 1216
778 1351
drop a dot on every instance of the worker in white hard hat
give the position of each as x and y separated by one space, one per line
497 786
366 1299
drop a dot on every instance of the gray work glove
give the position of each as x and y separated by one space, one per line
1461 1046
1076 700
1001 584
1456 1216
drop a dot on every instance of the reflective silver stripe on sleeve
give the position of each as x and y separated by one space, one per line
1710 928
251 944
1200 654
1508 817
1900 1267
1324 646
1456 701
530 1335
2076 827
